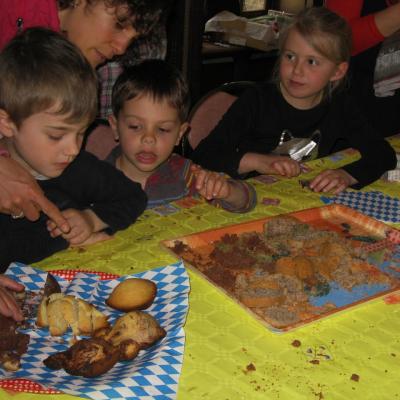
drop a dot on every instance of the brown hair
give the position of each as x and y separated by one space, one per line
143 14
327 32
39 69
155 78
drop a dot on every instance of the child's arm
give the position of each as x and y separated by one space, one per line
8 305
83 223
332 180
376 154
269 164
232 195
97 186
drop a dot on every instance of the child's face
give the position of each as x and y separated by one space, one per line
304 72
97 31
147 130
44 143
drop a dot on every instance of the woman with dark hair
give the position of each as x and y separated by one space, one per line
101 29
371 21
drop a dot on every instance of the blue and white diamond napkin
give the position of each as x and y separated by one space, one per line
374 204
153 374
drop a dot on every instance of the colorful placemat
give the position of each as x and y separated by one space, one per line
153 374
374 204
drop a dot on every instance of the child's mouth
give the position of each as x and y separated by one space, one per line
146 158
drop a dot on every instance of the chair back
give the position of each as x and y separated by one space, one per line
100 141
208 111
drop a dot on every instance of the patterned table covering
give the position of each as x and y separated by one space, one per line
228 354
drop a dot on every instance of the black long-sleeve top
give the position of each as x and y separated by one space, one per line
87 183
255 122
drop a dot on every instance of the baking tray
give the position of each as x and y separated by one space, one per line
378 242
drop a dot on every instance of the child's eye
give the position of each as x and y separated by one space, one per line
134 127
55 138
289 56
312 61
164 130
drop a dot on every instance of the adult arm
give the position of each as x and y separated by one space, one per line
368 30
19 191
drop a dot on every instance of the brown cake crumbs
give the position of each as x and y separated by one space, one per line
276 272
355 377
179 247
250 367
316 362
296 343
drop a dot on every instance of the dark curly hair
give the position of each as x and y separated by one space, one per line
144 14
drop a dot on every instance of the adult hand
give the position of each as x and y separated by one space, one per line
332 180
8 304
21 195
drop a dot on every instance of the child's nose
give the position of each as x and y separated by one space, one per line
73 148
298 68
148 138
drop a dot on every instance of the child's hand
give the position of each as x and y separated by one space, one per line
81 223
285 166
8 304
211 185
269 164
332 180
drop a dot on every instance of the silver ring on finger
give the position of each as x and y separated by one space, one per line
18 216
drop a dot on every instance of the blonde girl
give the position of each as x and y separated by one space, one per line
302 103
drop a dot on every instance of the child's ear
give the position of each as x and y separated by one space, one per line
341 71
113 123
182 130
7 126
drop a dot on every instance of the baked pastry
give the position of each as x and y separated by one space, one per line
132 294
95 356
136 325
59 312
87 357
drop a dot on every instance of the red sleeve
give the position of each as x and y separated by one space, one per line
364 29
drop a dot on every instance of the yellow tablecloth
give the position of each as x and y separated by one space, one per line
231 356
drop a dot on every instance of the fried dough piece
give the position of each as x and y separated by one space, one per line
87 357
59 312
136 325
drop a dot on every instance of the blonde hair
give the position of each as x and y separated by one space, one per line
327 32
